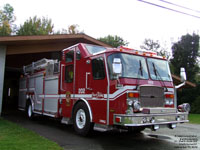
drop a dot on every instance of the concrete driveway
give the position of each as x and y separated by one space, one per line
185 136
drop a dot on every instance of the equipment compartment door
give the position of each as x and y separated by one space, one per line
68 80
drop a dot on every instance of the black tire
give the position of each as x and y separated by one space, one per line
81 119
135 129
29 110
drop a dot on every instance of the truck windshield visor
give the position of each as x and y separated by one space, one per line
132 66
159 69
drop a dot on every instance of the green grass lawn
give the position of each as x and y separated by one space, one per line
194 118
14 137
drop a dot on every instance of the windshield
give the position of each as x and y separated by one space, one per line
159 69
95 49
132 66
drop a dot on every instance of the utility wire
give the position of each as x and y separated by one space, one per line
197 11
169 9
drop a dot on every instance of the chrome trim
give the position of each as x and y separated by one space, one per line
74 77
50 115
175 97
89 108
61 77
149 115
86 81
70 47
108 89
180 85
161 123
36 112
160 119
51 78
22 109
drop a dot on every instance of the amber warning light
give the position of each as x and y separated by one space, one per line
133 95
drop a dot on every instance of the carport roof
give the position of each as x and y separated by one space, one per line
45 43
10 40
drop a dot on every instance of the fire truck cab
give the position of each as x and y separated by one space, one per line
94 87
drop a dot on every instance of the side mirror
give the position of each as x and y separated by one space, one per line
183 78
183 75
117 66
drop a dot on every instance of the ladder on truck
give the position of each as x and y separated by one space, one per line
50 65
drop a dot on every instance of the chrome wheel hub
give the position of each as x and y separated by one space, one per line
80 118
29 111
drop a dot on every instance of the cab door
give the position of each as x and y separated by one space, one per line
99 89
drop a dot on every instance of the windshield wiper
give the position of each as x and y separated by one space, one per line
141 68
154 70
157 74
141 73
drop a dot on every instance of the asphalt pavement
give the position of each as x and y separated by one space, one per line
185 136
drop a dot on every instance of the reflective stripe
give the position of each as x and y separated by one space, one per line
113 96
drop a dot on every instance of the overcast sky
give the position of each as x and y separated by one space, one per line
130 19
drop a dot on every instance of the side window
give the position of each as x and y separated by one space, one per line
98 69
69 57
78 55
69 73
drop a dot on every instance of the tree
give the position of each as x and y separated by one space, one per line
73 29
185 53
114 41
36 26
151 45
6 20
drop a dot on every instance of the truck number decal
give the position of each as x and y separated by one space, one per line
81 91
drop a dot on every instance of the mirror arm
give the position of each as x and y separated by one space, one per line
118 85
180 85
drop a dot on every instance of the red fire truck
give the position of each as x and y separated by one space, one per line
94 87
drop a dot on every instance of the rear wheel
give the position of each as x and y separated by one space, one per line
29 110
81 119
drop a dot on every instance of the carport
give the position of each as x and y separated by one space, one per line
16 51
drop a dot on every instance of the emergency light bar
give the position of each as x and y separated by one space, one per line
140 52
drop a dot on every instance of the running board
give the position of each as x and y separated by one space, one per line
66 120
102 128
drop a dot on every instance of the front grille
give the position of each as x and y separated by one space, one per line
151 96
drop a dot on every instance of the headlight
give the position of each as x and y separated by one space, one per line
171 102
136 106
166 102
184 107
129 102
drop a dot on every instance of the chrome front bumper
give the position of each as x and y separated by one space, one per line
136 120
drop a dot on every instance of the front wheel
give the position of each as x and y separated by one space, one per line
81 119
